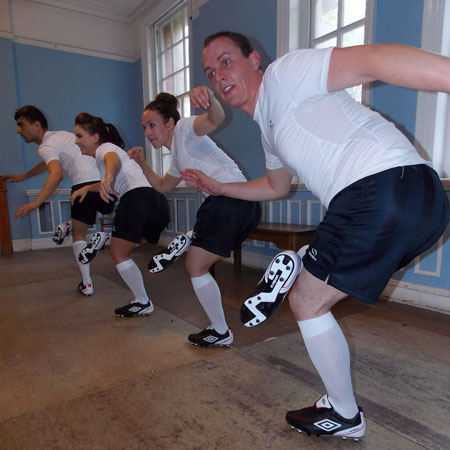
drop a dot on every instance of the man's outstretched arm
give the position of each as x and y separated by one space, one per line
396 64
54 178
36 170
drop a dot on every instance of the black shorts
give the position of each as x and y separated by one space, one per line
223 223
375 226
86 211
142 213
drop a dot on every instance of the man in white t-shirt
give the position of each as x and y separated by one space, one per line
60 155
385 205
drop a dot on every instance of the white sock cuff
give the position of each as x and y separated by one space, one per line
313 327
76 242
189 233
125 265
198 282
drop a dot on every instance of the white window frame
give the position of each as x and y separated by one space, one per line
432 135
293 32
294 25
149 69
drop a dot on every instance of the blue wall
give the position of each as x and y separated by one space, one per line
398 21
239 136
61 84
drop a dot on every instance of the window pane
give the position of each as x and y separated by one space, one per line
178 57
186 106
179 84
167 85
165 37
355 92
326 15
166 63
354 37
354 10
328 43
187 79
177 24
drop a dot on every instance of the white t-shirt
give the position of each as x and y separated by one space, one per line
130 175
327 139
61 145
190 151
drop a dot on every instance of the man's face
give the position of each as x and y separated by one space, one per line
28 130
234 78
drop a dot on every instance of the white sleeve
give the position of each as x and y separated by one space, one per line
272 161
48 153
310 67
173 169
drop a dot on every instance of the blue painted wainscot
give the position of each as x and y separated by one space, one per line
425 282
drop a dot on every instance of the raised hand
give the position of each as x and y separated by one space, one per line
137 153
201 97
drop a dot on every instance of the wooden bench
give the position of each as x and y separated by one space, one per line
286 236
106 222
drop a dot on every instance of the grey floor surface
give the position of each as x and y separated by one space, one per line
73 376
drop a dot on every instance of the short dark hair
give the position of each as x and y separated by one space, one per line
31 114
239 39
166 105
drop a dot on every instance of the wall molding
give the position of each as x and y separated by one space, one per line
78 50
418 295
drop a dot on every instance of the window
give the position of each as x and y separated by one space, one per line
166 68
433 109
323 23
338 23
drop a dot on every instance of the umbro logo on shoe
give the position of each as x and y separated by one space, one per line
210 339
327 425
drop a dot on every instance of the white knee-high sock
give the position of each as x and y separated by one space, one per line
208 294
85 269
329 352
130 273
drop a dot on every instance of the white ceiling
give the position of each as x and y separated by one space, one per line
122 10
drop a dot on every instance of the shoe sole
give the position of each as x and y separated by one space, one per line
344 437
272 289
60 240
211 345
134 315
164 259
87 258
141 314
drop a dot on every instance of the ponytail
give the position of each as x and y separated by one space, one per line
107 132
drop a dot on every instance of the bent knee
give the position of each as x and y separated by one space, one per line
311 297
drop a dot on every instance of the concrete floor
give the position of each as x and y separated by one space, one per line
73 376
